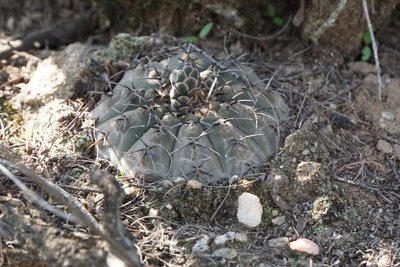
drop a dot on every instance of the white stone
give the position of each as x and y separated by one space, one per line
249 210
226 253
384 261
168 206
222 239
279 220
114 261
201 245
304 245
153 213
130 190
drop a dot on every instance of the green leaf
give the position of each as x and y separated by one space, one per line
191 39
206 30
271 10
278 21
367 38
366 53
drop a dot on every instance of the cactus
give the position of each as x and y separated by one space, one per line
188 115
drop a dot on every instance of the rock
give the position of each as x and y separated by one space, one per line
304 245
361 67
201 245
222 239
152 213
114 261
278 220
384 261
249 210
384 147
241 237
60 76
193 184
384 114
226 253
279 242
274 213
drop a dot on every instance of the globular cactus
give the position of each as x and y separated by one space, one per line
190 116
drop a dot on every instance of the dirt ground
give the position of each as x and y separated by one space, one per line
347 138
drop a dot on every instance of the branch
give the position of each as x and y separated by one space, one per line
374 48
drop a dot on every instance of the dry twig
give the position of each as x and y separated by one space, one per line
113 227
374 48
78 210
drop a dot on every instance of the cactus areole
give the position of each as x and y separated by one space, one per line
188 115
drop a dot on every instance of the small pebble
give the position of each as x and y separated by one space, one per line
193 184
304 245
222 239
168 206
249 210
384 261
274 213
241 237
153 212
384 147
279 220
130 190
226 253
201 245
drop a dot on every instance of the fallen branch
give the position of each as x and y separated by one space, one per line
113 227
124 252
374 49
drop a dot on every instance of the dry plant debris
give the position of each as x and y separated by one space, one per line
332 146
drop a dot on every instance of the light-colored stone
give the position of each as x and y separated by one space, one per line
304 245
384 261
153 213
59 76
274 213
241 237
201 245
361 67
384 147
226 253
193 184
249 210
222 239
279 220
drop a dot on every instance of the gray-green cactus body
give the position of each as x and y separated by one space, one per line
189 116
